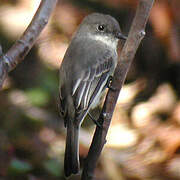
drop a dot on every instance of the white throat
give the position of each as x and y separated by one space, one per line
110 42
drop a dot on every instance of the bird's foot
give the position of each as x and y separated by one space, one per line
109 84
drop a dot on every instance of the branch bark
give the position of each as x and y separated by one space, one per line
136 34
23 45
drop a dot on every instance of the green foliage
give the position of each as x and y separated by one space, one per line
18 167
38 96
53 167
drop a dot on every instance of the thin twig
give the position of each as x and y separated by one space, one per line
22 46
136 34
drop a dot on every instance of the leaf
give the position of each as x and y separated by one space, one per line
38 96
19 167
53 167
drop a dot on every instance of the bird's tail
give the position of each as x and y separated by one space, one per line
71 160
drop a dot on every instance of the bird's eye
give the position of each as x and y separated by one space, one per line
100 28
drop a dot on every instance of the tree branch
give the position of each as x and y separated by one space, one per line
136 34
22 46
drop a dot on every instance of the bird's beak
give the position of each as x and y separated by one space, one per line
121 36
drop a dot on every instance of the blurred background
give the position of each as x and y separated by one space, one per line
143 142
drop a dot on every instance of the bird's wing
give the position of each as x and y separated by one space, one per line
91 83
62 103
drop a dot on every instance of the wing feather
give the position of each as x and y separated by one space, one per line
91 84
79 93
76 86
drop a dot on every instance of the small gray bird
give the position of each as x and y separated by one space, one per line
88 63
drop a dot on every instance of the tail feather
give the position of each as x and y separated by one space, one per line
71 160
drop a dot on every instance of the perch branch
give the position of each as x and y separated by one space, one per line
136 34
22 46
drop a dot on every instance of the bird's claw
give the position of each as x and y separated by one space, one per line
109 83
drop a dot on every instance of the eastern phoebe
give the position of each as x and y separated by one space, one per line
88 63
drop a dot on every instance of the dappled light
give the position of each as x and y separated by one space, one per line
143 141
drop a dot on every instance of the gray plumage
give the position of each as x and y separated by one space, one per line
89 61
